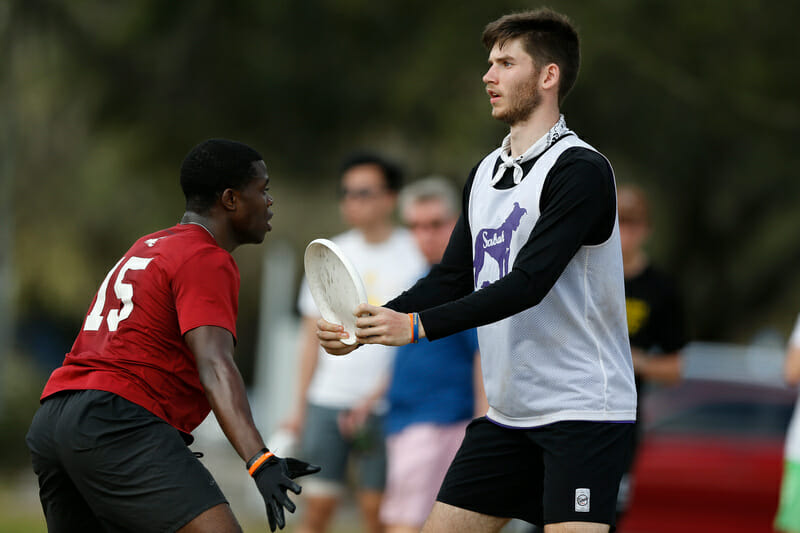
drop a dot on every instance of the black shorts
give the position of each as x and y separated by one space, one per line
562 472
106 464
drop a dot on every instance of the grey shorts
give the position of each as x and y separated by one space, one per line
324 445
106 464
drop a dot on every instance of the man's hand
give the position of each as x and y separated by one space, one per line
351 421
273 476
293 424
330 338
379 325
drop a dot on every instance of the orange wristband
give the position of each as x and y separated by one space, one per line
258 462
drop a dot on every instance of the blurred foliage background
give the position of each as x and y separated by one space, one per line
100 101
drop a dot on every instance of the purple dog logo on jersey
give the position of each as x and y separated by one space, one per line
497 243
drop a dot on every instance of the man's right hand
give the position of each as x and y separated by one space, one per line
273 476
330 338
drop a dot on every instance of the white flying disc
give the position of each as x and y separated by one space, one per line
335 284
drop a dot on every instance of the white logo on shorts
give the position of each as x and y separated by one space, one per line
582 500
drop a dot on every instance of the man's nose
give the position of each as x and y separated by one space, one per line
489 76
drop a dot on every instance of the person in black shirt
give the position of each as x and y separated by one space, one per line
652 302
655 318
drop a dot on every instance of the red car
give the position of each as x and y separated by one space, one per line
711 458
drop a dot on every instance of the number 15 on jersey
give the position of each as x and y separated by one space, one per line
123 307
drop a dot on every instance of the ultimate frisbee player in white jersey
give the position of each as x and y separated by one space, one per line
535 263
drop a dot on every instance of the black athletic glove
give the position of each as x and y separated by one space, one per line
273 476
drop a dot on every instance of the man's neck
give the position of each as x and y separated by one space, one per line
377 233
525 134
210 224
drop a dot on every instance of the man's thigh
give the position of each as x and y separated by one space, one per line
498 472
64 507
561 473
322 444
218 519
369 454
132 468
419 457
446 518
584 462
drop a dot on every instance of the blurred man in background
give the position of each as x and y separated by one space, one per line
154 356
436 388
653 306
788 517
655 316
340 400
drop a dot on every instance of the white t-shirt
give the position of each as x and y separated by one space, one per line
792 449
387 268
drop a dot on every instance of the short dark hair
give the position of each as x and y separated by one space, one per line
548 37
392 172
213 166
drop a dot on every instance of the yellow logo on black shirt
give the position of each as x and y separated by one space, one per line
638 312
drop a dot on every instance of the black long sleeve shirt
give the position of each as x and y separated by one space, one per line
578 208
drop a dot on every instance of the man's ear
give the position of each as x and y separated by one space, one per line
228 199
550 76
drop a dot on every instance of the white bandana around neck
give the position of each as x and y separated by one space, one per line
555 133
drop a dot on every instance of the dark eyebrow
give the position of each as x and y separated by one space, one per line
499 59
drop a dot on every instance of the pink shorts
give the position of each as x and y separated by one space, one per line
418 459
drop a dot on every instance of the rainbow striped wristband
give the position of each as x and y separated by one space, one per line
414 319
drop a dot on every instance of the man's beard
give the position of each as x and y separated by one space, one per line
523 105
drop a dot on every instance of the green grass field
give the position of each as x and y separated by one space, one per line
20 511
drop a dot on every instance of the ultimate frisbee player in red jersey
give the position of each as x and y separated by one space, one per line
153 357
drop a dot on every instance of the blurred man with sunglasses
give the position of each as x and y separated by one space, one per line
340 400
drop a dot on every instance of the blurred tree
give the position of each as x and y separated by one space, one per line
702 107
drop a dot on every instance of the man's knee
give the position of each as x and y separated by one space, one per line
446 518
318 512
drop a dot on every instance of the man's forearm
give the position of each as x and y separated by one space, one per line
662 368
308 356
226 393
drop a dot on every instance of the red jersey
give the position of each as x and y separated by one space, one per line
131 342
